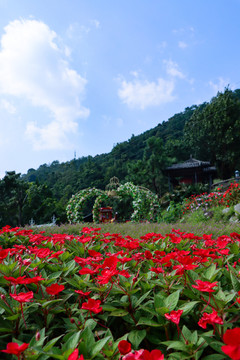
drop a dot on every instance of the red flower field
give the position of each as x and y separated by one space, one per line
107 296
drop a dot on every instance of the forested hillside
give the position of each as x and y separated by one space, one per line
209 131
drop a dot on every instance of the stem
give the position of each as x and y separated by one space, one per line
166 332
23 315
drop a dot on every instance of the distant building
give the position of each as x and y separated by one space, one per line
191 171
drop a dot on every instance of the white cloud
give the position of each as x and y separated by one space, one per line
6 105
219 85
173 69
33 67
182 45
96 23
186 30
143 93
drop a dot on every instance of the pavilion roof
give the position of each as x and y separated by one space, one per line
190 163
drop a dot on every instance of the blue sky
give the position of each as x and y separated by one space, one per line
83 75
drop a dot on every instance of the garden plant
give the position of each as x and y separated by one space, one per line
102 296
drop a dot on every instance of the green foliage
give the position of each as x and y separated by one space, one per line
144 202
211 132
172 214
176 293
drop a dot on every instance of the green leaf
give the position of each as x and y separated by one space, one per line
72 342
54 275
187 307
5 330
51 343
215 357
142 298
98 346
88 337
5 307
235 282
176 345
210 272
119 312
158 301
234 248
172 300
217 346
136 337
51 302
69 267
148 322
162 310
187 333
39 342
91 324
13 317
109 308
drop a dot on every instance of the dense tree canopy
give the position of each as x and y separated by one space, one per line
213 132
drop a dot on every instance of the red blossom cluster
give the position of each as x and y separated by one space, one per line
229 197
109 277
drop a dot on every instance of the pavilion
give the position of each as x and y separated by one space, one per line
191 171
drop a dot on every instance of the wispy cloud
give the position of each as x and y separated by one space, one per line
96 23
219 84
172 69
182 45
189 30
76 30
140 94
6 105
33 66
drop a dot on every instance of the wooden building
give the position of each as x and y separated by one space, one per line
191 171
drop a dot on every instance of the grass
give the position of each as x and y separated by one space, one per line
136 230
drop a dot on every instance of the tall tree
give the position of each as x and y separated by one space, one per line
213 132
13 193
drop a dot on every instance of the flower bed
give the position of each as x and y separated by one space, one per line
108 296
229 197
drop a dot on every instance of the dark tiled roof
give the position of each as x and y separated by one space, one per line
191 163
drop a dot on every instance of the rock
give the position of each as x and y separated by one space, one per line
233 219
226 210
237 208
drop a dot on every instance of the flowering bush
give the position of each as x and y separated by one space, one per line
145 203
205 201
104 296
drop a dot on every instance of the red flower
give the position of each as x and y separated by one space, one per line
85 271
124 347
124 273
232 347
54 289
23 279
145 355
92 306
157 270
22 297
148 254
74 356
174 316
4 253
153 355
18 280
205 286
211 319
15 349
33 280
83 293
